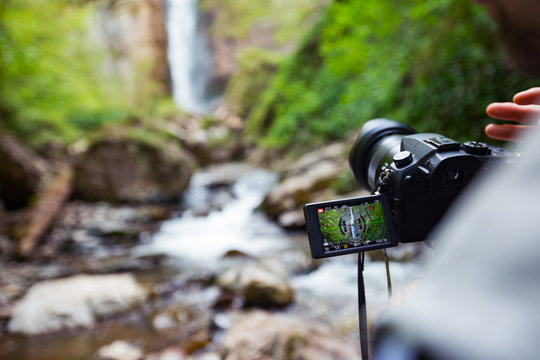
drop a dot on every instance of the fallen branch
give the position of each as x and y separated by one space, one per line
37 218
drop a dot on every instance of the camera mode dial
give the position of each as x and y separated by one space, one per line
402 158
476 148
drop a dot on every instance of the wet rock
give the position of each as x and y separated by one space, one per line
289 263
77 301
17 277
293 219
84 229
296 190
214 144
236 254
81 214
219 175
319 175
258 285
119 350
303 181
212 188
224 300
185 324
171 353
112 264
266 336
337 152
209 356
132 167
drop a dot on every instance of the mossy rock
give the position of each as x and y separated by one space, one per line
130 164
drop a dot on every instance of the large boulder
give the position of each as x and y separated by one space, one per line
78 301
296 190
213 141
124 167
257 285
266 336
312 177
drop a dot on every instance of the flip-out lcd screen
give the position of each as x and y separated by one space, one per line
350 225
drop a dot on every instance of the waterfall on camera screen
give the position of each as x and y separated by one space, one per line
189 56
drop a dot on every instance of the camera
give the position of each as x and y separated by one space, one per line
413 177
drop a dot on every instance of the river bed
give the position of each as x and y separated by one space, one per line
217 226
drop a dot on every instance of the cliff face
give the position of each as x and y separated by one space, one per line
234 26
134 33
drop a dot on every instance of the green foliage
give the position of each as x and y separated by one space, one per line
52 83
432 64
255 70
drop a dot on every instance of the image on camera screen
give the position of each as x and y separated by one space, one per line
345 227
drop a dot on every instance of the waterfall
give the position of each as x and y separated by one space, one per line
189 56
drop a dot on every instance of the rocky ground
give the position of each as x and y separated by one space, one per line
84 288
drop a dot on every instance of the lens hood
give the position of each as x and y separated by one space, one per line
371 133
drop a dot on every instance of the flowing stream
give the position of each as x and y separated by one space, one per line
231 222
189 56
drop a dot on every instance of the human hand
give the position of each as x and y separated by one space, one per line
525 110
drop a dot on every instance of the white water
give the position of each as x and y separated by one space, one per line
189 56
328 293
196 239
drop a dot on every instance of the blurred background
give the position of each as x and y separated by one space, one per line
155 156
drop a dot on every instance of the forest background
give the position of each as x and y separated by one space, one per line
432 64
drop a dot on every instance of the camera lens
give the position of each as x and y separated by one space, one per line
378 141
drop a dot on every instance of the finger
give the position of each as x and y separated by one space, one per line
514 112
528 97
507 132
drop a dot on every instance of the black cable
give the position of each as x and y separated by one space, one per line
362 314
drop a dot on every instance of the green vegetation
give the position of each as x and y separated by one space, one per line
433 64
256 68
52 83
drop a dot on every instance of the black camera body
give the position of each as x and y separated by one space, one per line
420 175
